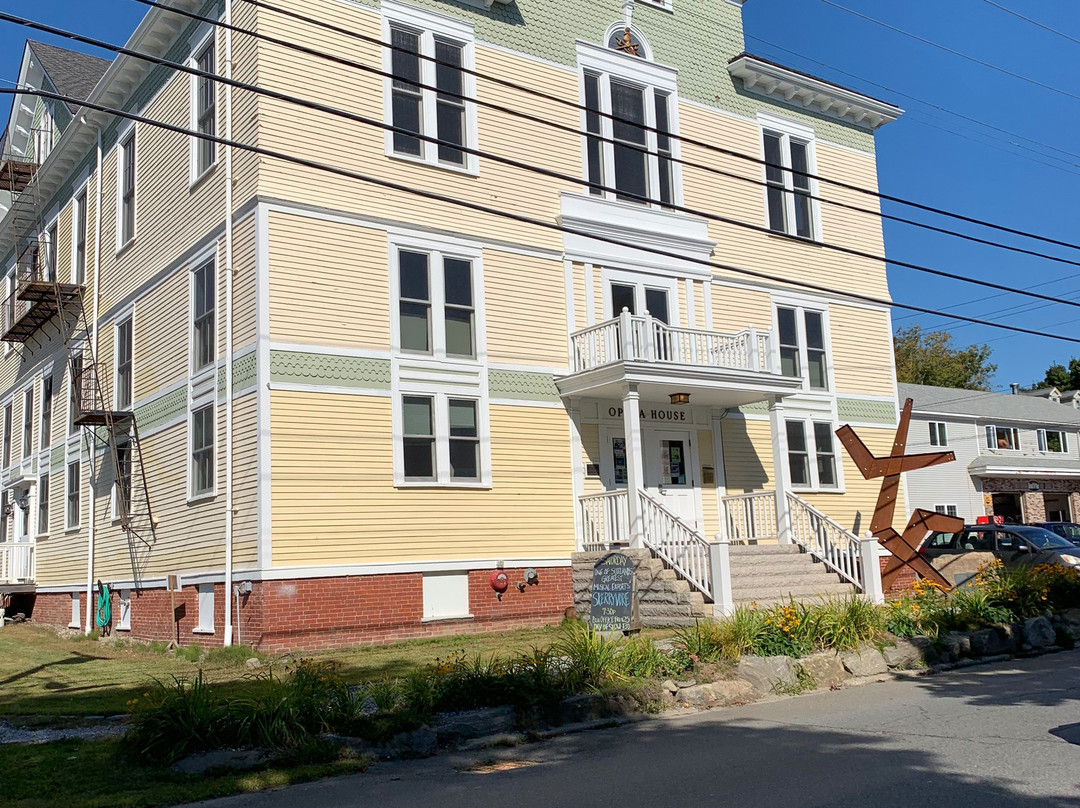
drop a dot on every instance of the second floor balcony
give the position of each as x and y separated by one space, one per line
721 369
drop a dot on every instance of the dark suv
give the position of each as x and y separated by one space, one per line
1070 531
1015 545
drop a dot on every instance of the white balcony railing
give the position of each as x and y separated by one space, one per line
604 520
16 563
637 338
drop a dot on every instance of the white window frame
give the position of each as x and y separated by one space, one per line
123 622
939 434
43 496
9 290
126 317
7 439
76 611
665 5
206 610
441 425
1044 445
788 129
198 406
429 24
114 499
29 415
948 510
49 239
650 76
207 258
204 38
68 524
70 426
127 136
1012 429
801 306
47 376
808 422
77 210
640 281
445 596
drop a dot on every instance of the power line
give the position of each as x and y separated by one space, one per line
1033 22
701 144
329 110
578 133
516 217
954 52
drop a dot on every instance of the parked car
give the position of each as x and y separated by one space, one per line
1015 545
1067 530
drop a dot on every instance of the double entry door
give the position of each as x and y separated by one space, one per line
670 469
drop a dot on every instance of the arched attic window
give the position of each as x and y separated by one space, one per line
629 40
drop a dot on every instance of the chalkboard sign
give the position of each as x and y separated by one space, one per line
612 605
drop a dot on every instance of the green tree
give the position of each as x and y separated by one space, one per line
1057 375
930 358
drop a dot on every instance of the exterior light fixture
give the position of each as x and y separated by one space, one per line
680 398
1033 486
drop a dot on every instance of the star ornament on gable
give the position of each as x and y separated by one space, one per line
903 546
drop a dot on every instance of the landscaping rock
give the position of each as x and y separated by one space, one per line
420 743
1038 633
826 668
988 642
716 694
908 653
957 645
764 673
253 664
586 707
670 686
867 661
455 727
228 759
369 706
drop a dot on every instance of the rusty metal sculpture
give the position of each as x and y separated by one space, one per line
904 547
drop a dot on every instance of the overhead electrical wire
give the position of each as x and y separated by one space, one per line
841 295
364 120
295 15
1036 23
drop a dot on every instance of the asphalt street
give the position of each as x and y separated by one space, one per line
1000 735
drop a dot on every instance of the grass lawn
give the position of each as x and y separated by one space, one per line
93 774
44 675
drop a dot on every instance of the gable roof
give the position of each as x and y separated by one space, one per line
986 406
72 73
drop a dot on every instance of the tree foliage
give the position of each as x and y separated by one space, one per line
930 358
1061 377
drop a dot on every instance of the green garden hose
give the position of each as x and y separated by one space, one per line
104 606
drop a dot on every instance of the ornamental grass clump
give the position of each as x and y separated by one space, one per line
1024 591
783 631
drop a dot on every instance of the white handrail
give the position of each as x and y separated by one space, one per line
833 544
17 562
751 517
678 544
603 520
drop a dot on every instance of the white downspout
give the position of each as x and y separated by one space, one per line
229 336
94 336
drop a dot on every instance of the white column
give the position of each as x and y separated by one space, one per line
870 569
720 572
635 469
781 471
573 407
719 475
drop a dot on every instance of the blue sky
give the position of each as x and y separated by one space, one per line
929 155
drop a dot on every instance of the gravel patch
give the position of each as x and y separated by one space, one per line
107 728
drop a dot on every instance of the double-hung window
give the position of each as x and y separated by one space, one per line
790 187
8 410
430 59
72 496
203 333
630 124
436 304
948 510
938 434
202 450
122 478
78 241
45 428
204 107
1002 437
441 439
803 354
28 423
43 505
1053 440
125 228
811 454
124 361
48 269
75 382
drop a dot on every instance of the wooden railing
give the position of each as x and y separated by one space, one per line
645 339
751 517
17 562
833 544
676 543
604 520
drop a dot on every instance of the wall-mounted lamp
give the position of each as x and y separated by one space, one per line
1033 486
680 398
23 500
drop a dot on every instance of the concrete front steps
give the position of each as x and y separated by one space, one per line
665 599
767 574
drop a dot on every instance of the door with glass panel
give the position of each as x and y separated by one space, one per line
639 298
669 473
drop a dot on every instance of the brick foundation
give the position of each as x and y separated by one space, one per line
904 580
314 613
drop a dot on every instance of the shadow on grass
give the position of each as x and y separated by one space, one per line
75 659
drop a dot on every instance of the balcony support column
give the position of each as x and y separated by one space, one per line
781 471
635 468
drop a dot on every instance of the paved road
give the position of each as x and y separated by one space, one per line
1002 735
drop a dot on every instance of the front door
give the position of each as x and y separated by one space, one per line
669 473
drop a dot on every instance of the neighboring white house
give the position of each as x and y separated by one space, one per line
1017 456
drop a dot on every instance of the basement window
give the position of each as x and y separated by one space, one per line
446 595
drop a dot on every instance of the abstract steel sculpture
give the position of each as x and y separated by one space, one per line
904 547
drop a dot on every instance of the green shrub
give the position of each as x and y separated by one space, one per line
589 658
973 608
192 653
840 623
639 658
175 719
231 655
739 634
703 641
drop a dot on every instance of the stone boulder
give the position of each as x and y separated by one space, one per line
453 728
867 661
1038 633
989 642
908 653
765 673
716 694
957 644
222 760
826 669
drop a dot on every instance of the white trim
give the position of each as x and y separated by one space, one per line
123 619
206 609
195 406
262 375
640 282
789 129
204 36
802 304
126 316
68 525
808 423
127 134
643 43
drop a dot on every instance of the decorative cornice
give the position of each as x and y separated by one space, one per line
296 367
792 87
866 412
522 386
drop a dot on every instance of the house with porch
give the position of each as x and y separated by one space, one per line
270 403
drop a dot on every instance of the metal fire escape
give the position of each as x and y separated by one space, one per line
37 299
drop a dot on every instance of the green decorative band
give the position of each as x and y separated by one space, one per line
161 410
243 372
757 408
866 412
56 456
521 385
298 367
